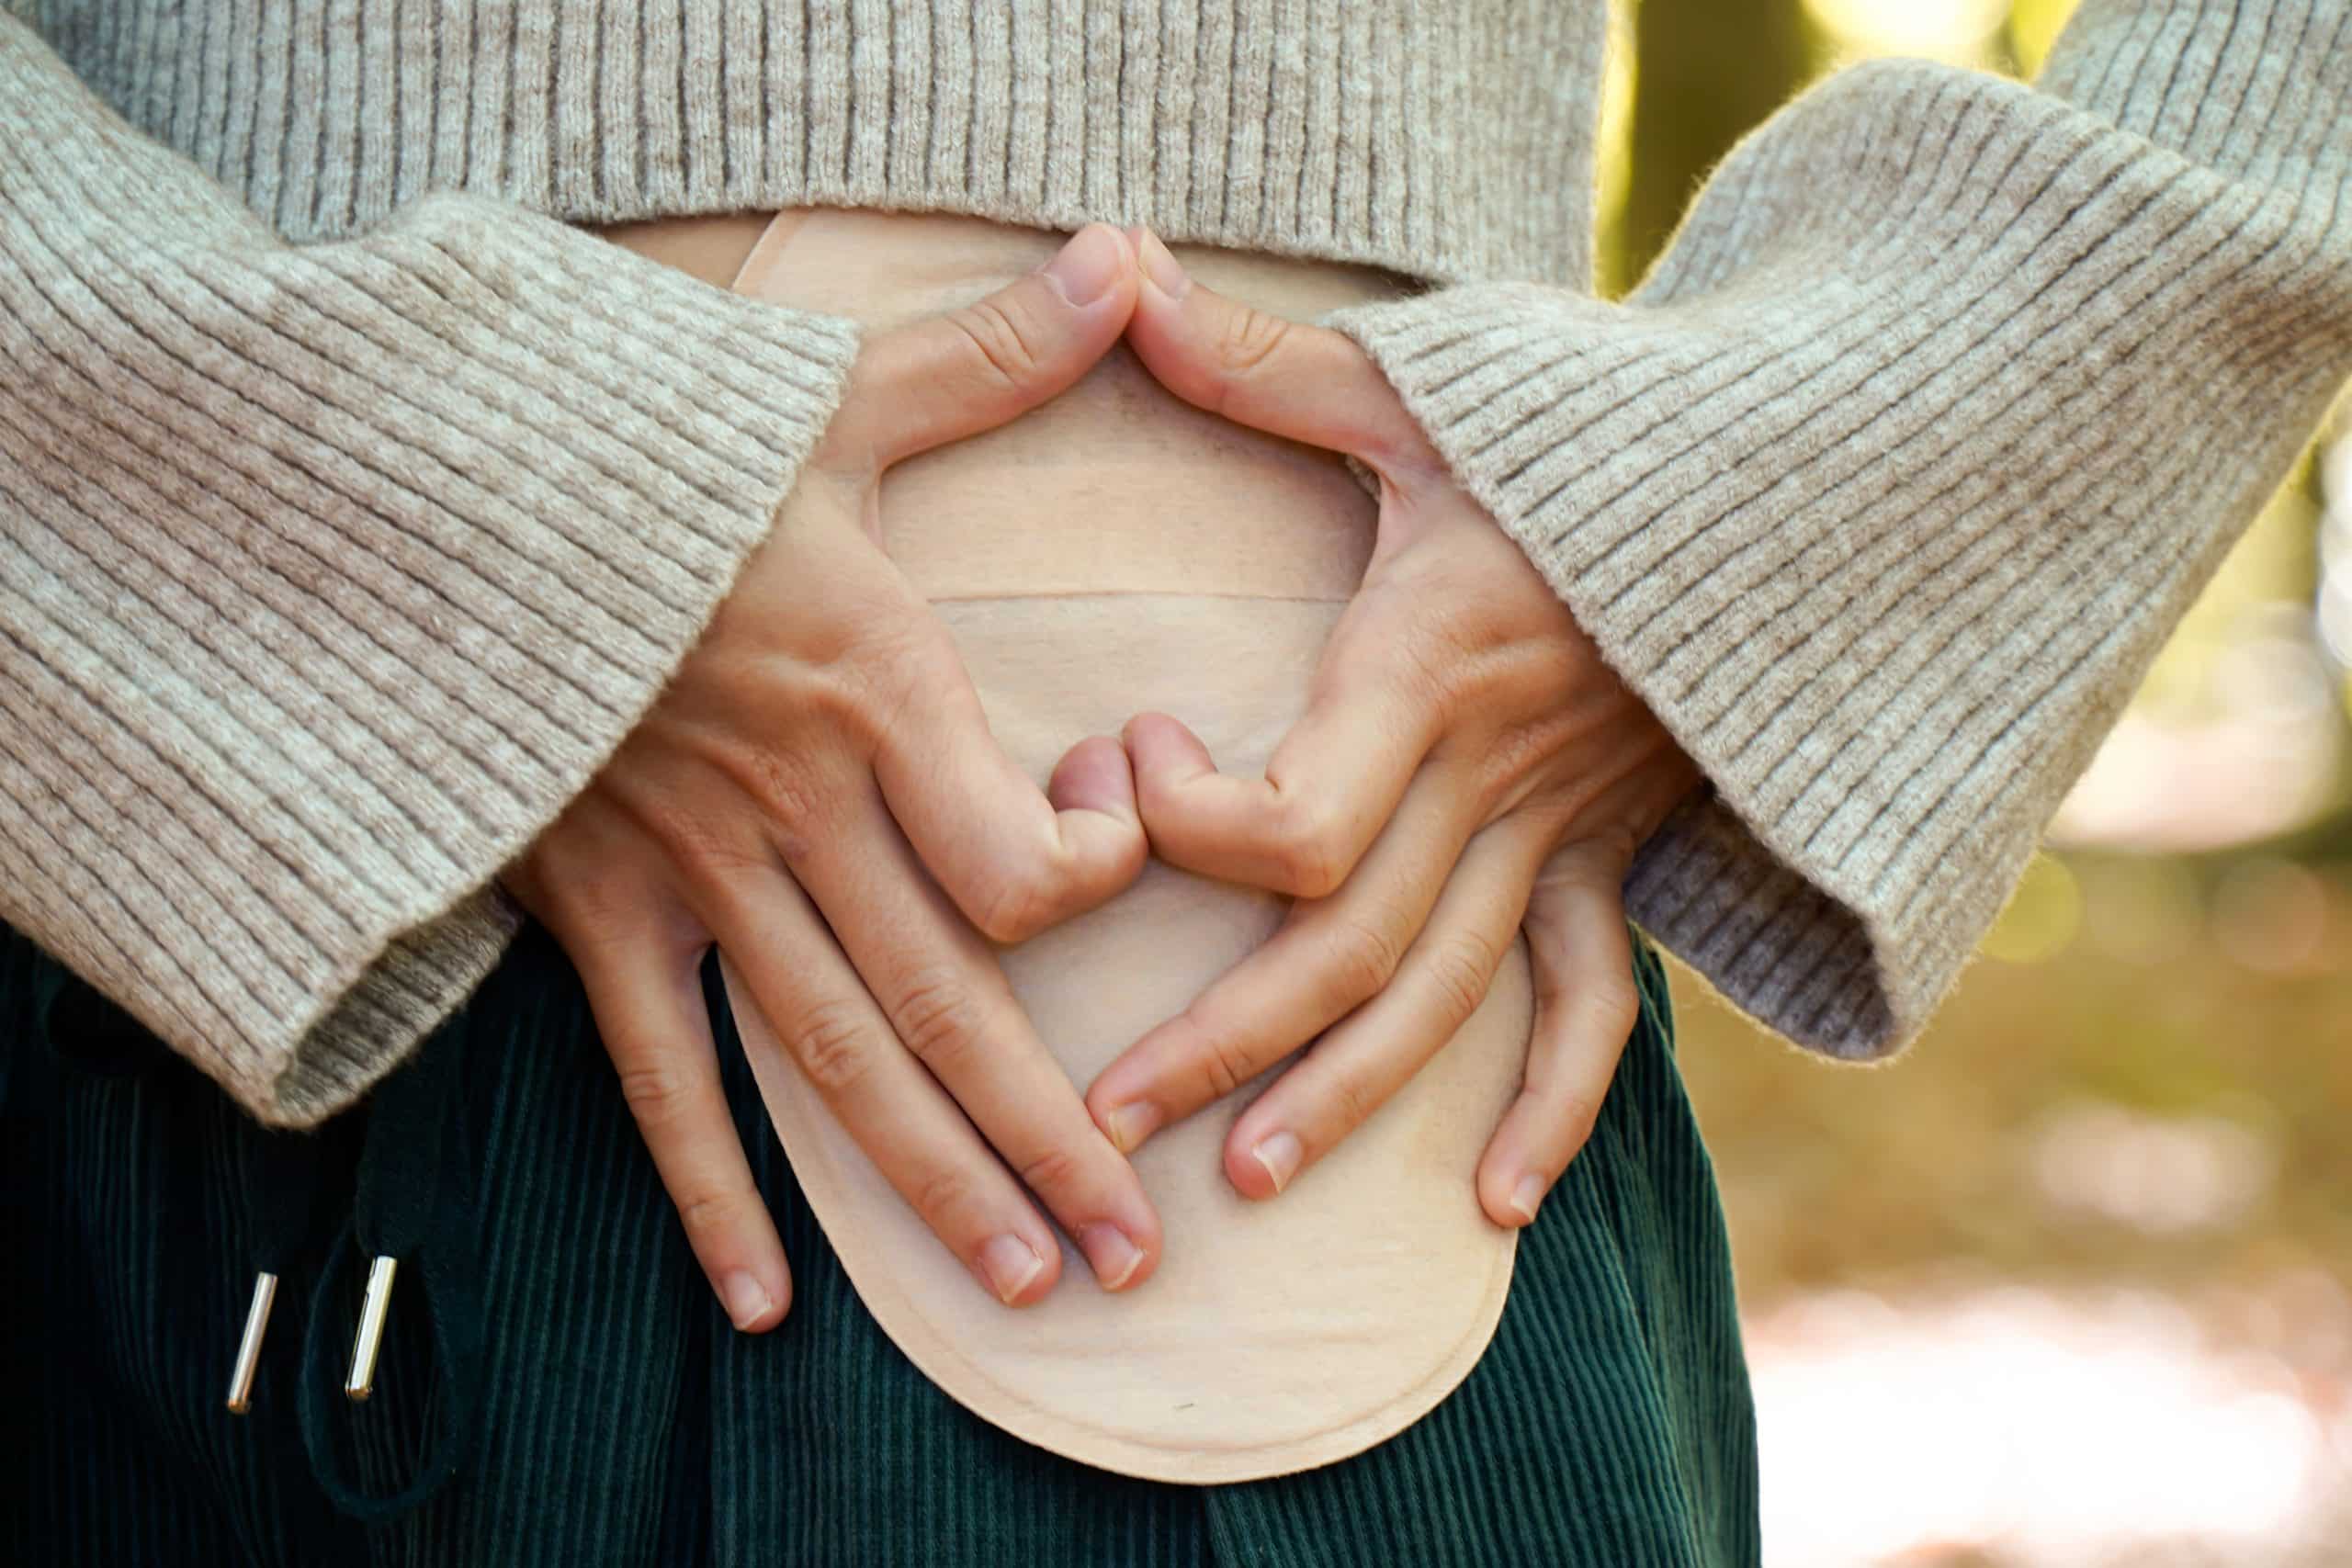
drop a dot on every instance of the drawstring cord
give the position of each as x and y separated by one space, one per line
285 1176
413 1200
414 1203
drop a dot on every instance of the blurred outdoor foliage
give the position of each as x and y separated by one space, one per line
2132 1126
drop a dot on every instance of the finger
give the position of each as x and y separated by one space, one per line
947 999
882 1098
1329 788
648 1001
1014 860
1358 1066
1329 958
983 365
1289 379
1586 1005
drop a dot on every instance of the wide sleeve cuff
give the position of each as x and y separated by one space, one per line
330 574
1886 486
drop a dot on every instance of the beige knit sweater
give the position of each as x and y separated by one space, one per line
346 523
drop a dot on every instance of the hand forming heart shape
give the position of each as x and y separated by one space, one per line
1468 763
817 792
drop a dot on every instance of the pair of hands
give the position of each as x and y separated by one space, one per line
816 793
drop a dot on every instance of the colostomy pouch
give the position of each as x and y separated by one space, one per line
1114 552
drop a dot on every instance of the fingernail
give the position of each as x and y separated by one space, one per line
1010 1263
1129 1125
1528 1196
1114 1257
746 1299
1162 267
1087 268
1280 1155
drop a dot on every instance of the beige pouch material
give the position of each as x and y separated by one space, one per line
1114 552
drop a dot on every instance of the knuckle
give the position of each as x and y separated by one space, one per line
838 705
830 1044
1515 756
801 811
1610 1007
1227 1064
597 905
1056 1171
936 1019
657 1093
898 654
1312 854
1361 958
1437 659
706 1215
942 1194
709 847
1615 845
908 667
1248 337
1540 673
838 700
1222 1059
1354 1097
1000 340
1461 965
1019 902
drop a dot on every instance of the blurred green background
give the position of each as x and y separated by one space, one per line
2071 1282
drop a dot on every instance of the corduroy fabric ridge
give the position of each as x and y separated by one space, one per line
622 1421
329 571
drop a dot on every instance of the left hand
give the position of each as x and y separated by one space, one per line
1467 765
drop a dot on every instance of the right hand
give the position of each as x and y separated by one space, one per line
817 792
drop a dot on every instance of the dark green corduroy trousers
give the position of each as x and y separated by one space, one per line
559 1384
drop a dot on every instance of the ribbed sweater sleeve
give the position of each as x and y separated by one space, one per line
330 573
1886 485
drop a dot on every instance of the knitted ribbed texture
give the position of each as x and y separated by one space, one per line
1886 485
331 571
328 575
1443 141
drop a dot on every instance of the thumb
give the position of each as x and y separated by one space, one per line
971 369
1305 383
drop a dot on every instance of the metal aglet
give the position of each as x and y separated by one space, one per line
361 1380
240 1377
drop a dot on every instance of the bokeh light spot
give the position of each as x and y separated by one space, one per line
2042 915
1957 30
2143 909
2033 28
2270 916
